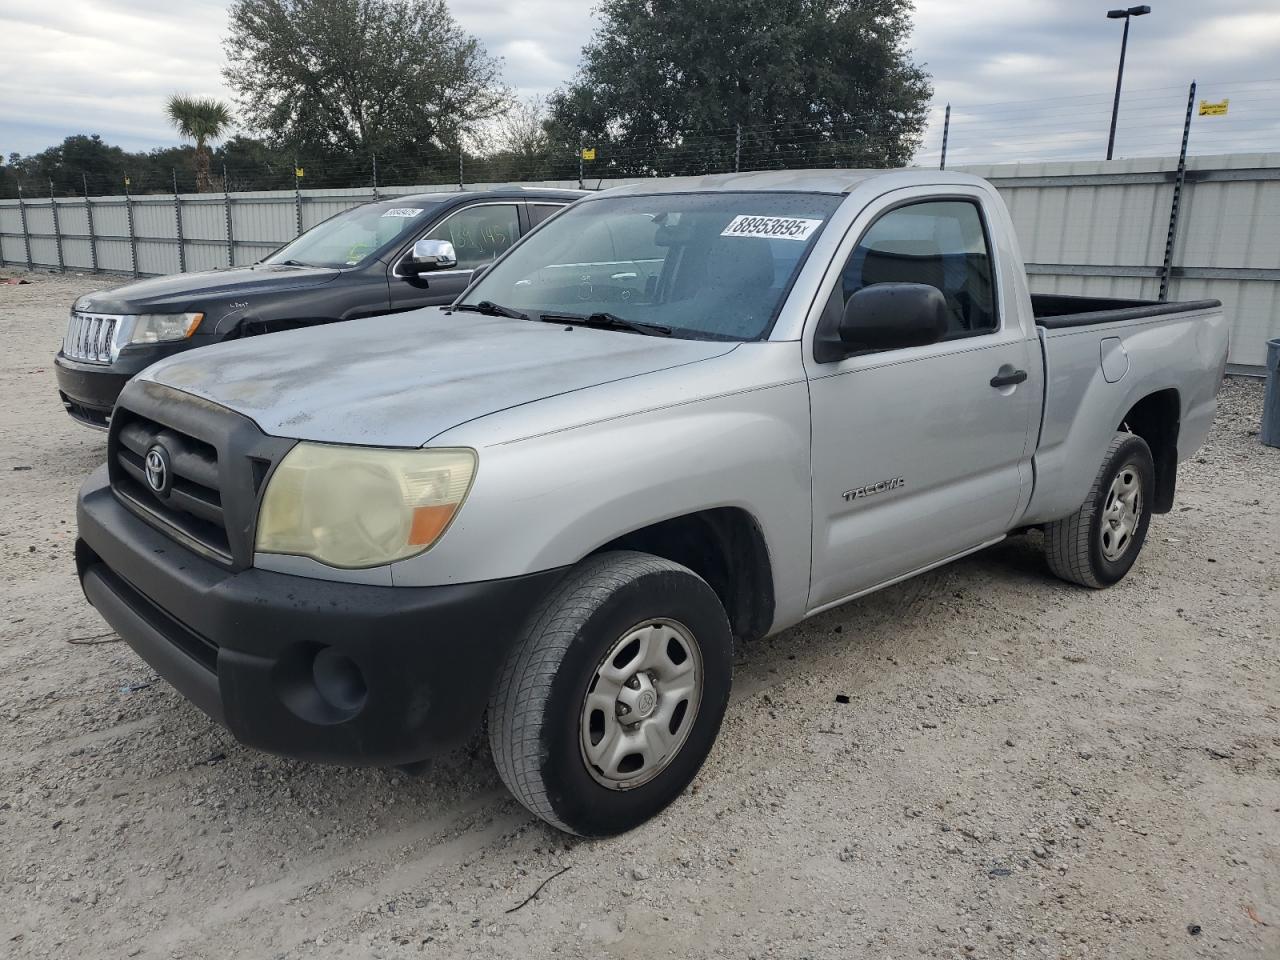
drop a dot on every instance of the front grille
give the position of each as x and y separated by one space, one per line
193 504
86 415
91 337
218 463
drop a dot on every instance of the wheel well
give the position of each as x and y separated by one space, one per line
726 548
1156 418
250 327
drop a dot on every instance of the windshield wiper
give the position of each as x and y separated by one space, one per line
491 309
608 321
292 263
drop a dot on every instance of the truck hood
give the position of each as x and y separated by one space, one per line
181 292
398 381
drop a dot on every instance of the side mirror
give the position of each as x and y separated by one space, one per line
478 272
890 316
428 255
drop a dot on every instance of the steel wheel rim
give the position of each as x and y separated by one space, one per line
641 704
1121 513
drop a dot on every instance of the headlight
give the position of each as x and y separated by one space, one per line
362 506
155 327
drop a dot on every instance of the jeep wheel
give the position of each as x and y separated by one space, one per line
1096 545
610 700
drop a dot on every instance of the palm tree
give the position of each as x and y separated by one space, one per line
200 119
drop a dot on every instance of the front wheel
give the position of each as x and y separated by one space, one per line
610 700
1096 545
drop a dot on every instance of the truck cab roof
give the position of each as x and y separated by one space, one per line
836 181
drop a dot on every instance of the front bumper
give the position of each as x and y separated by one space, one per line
335 672
89 390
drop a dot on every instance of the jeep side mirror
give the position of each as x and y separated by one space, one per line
890 316
428 255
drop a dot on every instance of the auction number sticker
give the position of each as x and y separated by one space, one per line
403 212
776 228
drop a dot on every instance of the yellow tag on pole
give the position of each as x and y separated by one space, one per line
127 181
1218 109
588 153
298 172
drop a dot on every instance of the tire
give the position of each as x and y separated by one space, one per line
541 724
1088 547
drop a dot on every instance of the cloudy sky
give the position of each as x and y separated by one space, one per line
1027 78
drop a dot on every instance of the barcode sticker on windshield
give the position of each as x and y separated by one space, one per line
403 212
776 228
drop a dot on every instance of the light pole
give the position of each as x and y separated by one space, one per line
1124 44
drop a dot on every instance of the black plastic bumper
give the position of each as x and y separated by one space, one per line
336 672
88 392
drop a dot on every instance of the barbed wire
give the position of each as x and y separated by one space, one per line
1053 128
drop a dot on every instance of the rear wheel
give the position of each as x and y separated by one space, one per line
611 699
1098 544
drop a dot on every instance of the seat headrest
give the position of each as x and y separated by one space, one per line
740 262
922 264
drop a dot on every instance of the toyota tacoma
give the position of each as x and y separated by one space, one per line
681 414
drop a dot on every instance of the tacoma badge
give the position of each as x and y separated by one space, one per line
873 488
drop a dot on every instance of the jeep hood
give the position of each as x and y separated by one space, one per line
180 292
401 380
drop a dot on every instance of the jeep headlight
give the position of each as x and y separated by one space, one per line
362 506
158 327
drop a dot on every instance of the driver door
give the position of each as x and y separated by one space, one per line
920 453
480 233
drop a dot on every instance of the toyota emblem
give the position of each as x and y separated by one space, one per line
159 476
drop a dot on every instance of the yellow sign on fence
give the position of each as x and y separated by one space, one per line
298 171
588 153
1218 109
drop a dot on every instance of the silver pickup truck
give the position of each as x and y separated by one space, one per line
679 415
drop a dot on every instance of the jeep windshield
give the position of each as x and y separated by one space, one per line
707 266
355 236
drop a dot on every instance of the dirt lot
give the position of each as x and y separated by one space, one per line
1023 768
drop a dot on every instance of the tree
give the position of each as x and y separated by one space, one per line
252 164
665 85
199 119
521 129
358 76
518 146
69 166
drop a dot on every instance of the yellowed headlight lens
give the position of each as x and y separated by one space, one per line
356 507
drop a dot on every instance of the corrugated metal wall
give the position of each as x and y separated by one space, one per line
1097 228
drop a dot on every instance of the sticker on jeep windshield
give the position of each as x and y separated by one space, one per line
774 228
403 212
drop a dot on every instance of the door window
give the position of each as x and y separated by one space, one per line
540 211
479 234
940 243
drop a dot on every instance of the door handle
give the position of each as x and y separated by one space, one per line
1010 379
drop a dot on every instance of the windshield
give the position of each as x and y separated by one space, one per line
351 238
706 265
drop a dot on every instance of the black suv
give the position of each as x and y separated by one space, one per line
360 263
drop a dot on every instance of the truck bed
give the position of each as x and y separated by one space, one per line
1098 367
1054 311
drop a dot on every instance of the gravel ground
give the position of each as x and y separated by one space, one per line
1022 769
